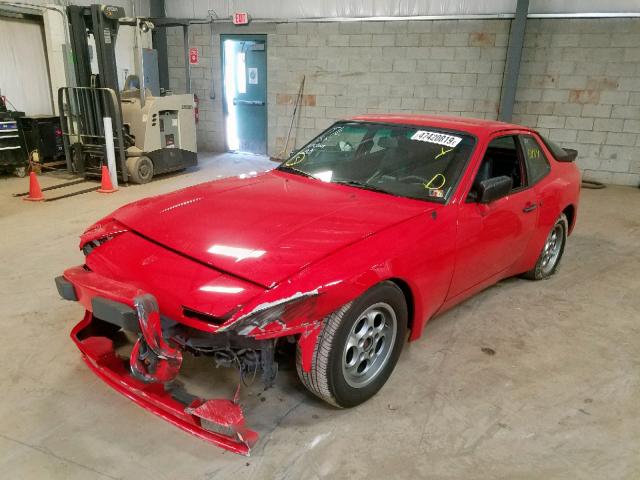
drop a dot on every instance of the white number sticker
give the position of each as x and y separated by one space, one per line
436 137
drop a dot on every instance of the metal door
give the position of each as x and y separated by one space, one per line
245 82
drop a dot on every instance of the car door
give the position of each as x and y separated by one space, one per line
492 237
538 168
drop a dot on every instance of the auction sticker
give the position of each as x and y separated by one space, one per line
436 137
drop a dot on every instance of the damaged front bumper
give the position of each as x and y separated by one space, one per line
147 376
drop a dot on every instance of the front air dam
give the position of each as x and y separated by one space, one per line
223 418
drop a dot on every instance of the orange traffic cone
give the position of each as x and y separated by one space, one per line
105 184
35 194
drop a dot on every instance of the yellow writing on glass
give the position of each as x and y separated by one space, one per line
436 177
297 159
443 152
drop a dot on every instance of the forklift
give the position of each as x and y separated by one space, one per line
152 134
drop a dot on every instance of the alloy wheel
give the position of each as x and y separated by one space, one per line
369 344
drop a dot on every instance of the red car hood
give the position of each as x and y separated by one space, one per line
266 228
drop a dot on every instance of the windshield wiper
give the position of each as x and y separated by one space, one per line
295 171
363 186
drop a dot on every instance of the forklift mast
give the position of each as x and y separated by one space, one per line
95 97
148 137
101 21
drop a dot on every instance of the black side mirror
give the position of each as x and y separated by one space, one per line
494 188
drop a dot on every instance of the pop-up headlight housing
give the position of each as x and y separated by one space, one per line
277 314
99 233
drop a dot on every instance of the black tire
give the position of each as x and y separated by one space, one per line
140 169
545 267
329 377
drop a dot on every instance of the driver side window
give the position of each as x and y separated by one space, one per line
502 158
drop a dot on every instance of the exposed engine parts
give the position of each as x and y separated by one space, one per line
248 355
249 362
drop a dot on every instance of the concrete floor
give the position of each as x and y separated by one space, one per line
560 398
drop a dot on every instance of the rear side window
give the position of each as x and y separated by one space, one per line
555 149
537 164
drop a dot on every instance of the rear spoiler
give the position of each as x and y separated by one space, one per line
559 153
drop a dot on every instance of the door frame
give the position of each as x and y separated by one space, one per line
456 297
240 36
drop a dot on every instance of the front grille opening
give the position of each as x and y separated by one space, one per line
93 244
205 317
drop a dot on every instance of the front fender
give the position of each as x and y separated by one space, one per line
422 258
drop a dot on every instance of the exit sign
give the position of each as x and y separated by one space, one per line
240 18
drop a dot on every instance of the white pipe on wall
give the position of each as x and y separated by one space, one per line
496 16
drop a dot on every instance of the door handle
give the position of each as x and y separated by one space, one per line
530 207
247 102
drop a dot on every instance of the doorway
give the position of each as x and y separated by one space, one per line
24 76
244 73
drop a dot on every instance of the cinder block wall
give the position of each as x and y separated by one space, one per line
579 82
580 85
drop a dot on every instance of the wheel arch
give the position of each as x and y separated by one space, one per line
409 298
570 213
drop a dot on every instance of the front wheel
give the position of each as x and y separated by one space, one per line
140 169
552 251
358 347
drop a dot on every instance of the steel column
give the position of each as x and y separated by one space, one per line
512 67
187 64
159 38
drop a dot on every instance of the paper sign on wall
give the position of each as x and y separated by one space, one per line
253 76
193 56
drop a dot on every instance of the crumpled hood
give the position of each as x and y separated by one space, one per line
265 228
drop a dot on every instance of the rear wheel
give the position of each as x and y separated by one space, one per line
552 251
140 169
358 347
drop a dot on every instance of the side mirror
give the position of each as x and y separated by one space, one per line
492 189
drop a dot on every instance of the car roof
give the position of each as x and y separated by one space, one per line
475 126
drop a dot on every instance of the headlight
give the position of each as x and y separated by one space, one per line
279 313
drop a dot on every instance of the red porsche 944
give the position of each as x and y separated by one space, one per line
347 249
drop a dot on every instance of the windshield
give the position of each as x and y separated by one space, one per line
423 163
